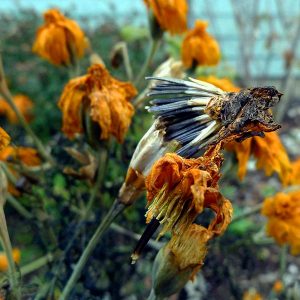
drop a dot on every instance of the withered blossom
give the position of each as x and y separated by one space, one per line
191 115
171 15
60 40
4 139
23 103
269 153
103 98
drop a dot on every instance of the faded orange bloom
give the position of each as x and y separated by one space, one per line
269 152
223 83
199 47
278 286
179 189
23 103
283 213
252 295
23 155
106 98
4 138
60 39
16 253
171 15
294 176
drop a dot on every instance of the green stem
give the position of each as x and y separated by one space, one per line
102 162
4 91
37 264
19 207
127 63
283 260
153 48
12 273
114 211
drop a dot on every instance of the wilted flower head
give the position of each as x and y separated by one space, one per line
269 152
191 115
16 253
283 213
60 40
4 138
199 47
22 156
100 96
23 103
223 83
171 15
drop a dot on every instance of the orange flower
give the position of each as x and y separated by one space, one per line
24 155
107 100
283 213
278 286
223 83
23 103
294 176
60 39
4 262
252 295
4 139
199 47
179 189
269 152
171 15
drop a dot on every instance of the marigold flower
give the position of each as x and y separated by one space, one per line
191 115
252 295
24 155
4 138
278 286
60 40
294 176
171 15
283 213
16 253
199 47
107 100
269 152
23 103
223 83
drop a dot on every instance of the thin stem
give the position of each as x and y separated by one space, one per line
115 210
4 91
153 48
127 63
12 273
247 213
19 207
37 264
283 260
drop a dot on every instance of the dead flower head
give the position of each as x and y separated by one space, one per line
171 15
283 214
191 115
269 153
23 103
103 98
60 40
4 139
199 47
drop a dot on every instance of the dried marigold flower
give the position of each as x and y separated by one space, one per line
191 115
21 155
252 294
199 47
223 83
4 138
283 214
171 15
105 99
16 253
60 40
23 103
269 152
